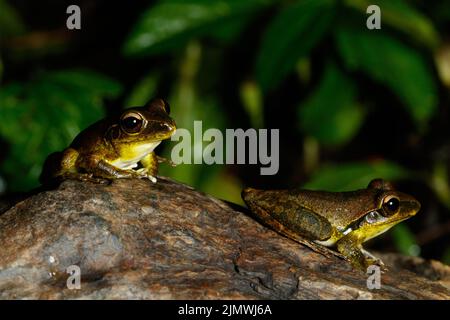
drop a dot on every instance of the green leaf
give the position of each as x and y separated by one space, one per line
229 30
331 114
390 62
143 91
173 22
44 115
10 21
440 12
1 69
292 34
352 176
93 82
402 16
252 101
405 240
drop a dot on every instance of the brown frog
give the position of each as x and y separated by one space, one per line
115 147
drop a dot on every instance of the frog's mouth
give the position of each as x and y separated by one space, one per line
372 231
377 218
375 223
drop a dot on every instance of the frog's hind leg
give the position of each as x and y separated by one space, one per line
283 224
62 166
310 244
68 169
84 177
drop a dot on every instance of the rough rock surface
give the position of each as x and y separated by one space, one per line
137 240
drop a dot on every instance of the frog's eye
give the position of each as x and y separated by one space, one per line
391 205
166 106
131 123
373 217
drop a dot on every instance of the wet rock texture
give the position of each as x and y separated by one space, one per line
137 240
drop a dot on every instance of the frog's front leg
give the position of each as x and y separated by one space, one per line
109 171
96 170
351 249
374 260
162 159
150 166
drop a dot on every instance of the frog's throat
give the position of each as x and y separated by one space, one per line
131 154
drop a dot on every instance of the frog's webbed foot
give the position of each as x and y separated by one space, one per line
350 247
84 177
168 161
372 260
360 259
371 257
143 173
378 263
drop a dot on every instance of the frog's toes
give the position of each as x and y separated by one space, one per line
382 266
101 180
143 173
85 177
168 161
376 262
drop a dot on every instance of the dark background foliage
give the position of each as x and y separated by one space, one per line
351 104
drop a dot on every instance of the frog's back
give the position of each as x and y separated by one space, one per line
92 137
340 208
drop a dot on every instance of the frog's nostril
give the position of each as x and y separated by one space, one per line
414 207
248 193
169 127
418 205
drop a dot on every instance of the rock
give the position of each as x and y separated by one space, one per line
134 239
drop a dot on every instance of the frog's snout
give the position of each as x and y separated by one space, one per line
169 127
415 205
165 128
411 206
248 193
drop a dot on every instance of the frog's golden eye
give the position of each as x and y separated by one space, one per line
131 122
166 106
391 205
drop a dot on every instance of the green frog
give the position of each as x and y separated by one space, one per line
115 147
344 220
